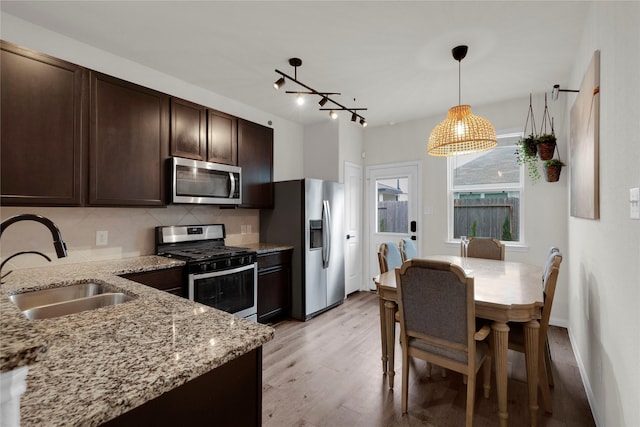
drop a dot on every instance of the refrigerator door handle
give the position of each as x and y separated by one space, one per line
326 233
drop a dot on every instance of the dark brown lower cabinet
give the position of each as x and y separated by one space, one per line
230 395
169 280
274 285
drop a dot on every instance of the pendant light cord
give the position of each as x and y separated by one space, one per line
459 68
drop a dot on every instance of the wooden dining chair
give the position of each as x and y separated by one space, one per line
389 257
438 324
547 349
516 333
484 247
408 249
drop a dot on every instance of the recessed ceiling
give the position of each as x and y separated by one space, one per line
391 57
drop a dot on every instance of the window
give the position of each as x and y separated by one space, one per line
485 193
393 205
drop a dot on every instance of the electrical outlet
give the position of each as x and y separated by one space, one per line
102 238
249 229
243 229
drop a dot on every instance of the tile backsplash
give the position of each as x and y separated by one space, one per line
130 231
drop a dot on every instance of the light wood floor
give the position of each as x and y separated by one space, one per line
328 372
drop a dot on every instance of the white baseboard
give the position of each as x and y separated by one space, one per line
585 380
563 323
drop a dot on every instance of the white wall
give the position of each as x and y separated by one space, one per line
351 137
328 145
321 150
604 263
544 204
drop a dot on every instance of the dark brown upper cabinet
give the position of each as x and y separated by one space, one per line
128 143
222 138
188 129
42 137
200 133
255 156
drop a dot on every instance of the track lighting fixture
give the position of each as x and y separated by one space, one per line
324 96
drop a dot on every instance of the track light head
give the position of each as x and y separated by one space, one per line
279 83
333 114
363 122
354 117
323 101
299 99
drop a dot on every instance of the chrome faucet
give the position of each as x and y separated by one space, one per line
58 243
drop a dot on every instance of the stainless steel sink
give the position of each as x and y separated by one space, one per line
60 301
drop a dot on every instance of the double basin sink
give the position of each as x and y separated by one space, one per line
60 301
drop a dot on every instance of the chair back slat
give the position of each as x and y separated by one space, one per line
389 257
549 284
408 249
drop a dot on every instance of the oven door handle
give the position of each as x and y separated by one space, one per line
222 272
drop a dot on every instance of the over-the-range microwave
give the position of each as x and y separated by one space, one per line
194 181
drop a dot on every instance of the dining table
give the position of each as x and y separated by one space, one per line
505 292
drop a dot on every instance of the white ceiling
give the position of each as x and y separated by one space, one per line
393 57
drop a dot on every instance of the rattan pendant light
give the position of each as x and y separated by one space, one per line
462 132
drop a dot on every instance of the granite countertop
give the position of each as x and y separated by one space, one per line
89 367
263 248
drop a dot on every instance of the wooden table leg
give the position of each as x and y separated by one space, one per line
531 344
500 337
383 335
390 320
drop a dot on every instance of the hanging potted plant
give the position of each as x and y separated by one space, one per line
546 141
552 169
527 147
546 146
526 155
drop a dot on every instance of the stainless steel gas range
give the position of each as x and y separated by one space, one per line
223 277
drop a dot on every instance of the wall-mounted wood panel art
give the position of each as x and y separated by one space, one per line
584 145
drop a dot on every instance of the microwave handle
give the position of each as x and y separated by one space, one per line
232 185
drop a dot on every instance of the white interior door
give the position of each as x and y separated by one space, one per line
393 203
353 227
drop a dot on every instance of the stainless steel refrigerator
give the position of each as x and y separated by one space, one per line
309 214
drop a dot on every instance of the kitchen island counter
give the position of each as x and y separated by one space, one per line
90 367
